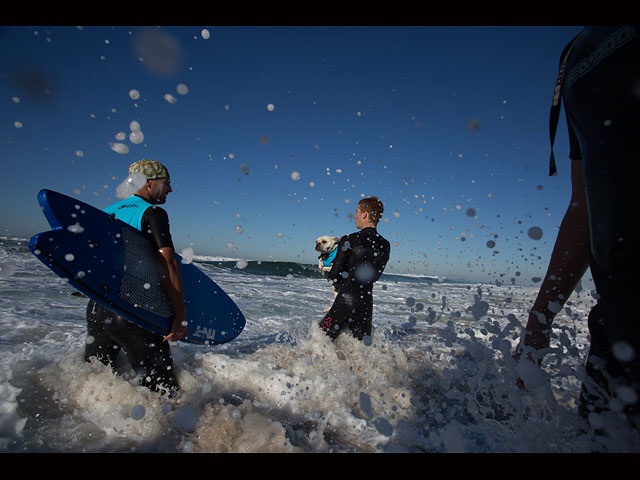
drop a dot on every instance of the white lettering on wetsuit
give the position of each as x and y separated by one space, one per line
614 41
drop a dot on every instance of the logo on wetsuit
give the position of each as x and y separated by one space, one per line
616 40
326 323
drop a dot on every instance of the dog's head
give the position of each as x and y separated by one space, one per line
326 244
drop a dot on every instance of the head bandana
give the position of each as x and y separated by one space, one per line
149 168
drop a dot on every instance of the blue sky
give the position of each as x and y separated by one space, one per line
283 129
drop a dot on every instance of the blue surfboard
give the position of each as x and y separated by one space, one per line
114 264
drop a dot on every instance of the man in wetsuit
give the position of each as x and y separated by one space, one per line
599 80
108 332
360 260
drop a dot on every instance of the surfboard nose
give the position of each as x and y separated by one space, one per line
43 201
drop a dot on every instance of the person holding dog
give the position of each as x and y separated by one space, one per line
360 260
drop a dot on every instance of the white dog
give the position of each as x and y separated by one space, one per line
327 246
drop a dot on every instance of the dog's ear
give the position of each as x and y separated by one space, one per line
337 239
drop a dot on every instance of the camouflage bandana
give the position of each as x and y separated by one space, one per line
149 168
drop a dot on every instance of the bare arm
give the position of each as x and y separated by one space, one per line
569 261
172 284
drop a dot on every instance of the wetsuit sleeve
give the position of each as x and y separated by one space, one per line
341 261
383 259
155 223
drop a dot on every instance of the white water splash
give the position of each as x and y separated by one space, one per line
131 185
187 255
118 147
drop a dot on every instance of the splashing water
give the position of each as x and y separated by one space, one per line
187 255
118 147
131 185
442 382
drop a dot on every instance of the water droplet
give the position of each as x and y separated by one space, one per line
131 185
623 351
136 137
120 148
473 124
187 255
535 233
138 412
77 228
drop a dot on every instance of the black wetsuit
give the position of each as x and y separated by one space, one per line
108 332
359 262
601 95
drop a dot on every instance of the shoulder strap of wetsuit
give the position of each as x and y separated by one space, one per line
556 102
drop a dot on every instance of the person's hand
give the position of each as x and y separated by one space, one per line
178 329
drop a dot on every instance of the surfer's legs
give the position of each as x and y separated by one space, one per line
330 326
98 344
149 351
612 369
145 350
611 387
337 318
361 324
349 311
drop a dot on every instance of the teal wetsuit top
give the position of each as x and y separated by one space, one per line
150 219
130 210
